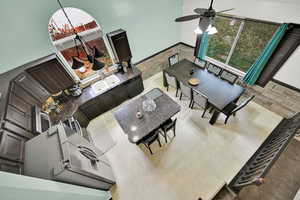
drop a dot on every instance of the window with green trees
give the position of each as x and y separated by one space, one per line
239 42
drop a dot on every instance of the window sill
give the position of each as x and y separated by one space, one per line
225 66
98 76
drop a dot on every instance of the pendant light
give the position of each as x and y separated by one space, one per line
97 53
76 64
97 65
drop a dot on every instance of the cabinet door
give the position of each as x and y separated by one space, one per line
27 97
106 102
12 146
52 75
11 167
18 117
32 86
119 94
90 109
81 118
135 87
17 130
19 103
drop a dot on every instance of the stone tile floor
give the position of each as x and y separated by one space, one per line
196 163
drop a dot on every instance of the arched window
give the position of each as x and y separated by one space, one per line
63 38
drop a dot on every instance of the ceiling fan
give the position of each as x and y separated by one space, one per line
206 17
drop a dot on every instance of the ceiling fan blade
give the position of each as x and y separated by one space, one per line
187 18
200 11
225 10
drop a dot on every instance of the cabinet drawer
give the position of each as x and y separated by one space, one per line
28 98
32 86
11 167
19 103
18 117
17 130
12 146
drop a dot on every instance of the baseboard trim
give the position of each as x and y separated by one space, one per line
157 53
188 45
286 85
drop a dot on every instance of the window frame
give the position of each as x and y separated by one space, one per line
233 46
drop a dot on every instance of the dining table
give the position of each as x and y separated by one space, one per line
220 92
139 126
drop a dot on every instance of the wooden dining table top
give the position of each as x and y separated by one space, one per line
220 93
135 128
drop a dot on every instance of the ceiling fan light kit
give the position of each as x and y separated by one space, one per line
206 19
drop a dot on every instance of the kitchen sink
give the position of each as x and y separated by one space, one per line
112 80
105 84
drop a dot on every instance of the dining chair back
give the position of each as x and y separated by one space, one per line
200 63
214 69
169 125
201 100
233 108
173 59
185 90
228 76
154 136
171 82
243 104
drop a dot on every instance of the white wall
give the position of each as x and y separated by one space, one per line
24 26
271 10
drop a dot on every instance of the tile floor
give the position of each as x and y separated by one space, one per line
196 163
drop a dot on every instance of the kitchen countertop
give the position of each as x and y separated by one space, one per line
88 94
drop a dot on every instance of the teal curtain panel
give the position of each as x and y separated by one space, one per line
203 46
255 70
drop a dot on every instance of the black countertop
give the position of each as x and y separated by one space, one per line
88 94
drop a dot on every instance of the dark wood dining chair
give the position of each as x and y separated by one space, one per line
185 91
171 82
167 126
233 108
200 63
214 69
154 136
201 100
173 59
228 76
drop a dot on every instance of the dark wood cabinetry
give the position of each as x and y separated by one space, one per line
32 87
11 167
135 86
26 96
19 103
18 117
11 146
90 109
17 130
51 74
81 118
112 98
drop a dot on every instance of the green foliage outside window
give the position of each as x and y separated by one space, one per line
220 43
252 40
